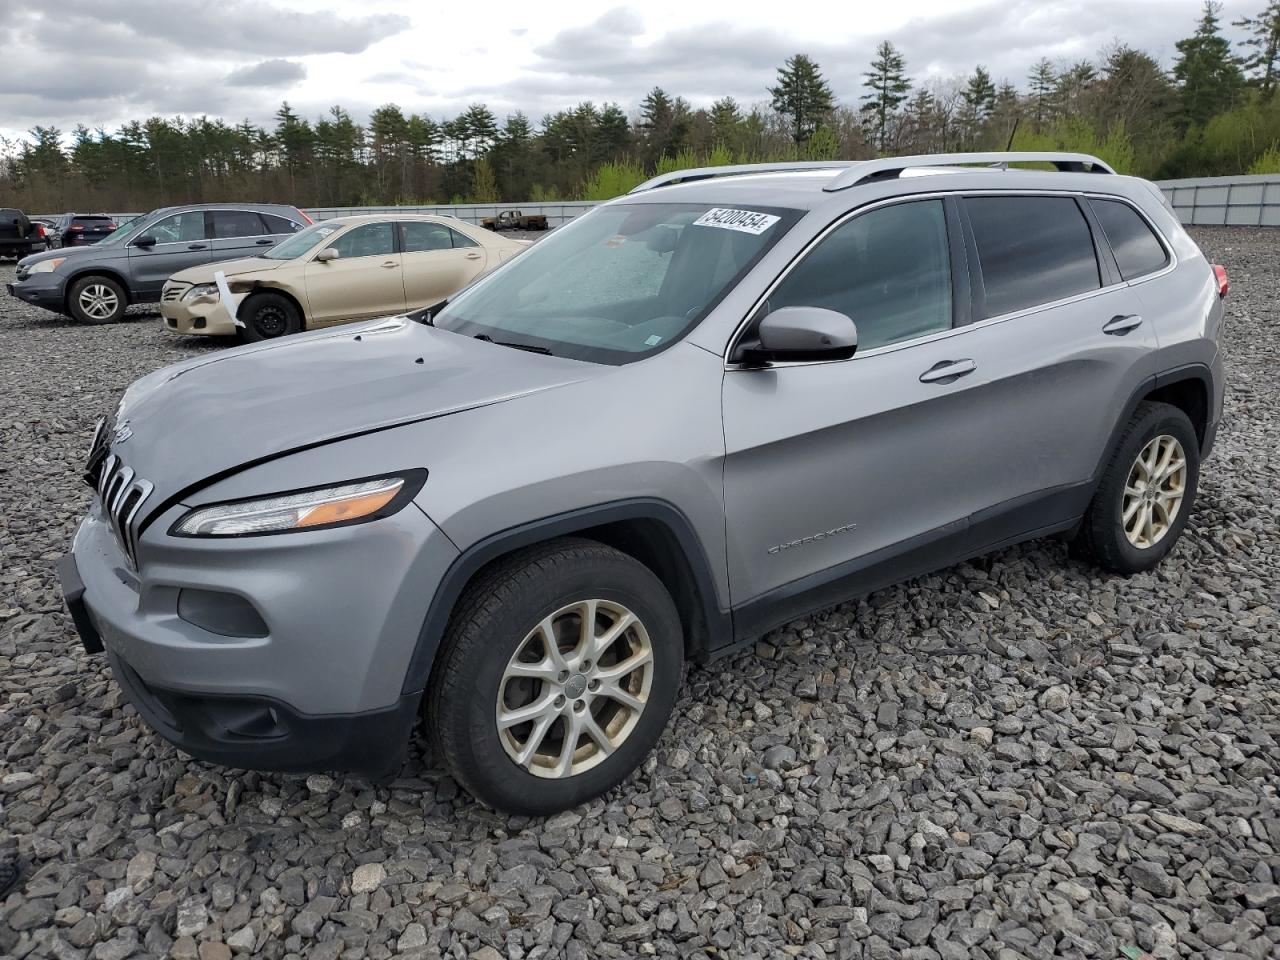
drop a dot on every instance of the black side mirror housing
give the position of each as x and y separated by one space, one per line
792 334
146 240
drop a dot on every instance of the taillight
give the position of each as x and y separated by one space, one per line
1220 274
76 227
40 230
306 218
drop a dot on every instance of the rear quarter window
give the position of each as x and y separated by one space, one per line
1032 250
1138 251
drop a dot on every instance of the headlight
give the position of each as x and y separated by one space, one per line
201 290
46 266
355 502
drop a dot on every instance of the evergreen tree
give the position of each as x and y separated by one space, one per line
1044 82
980 94
802 96
1264 37
888 88
725 120
1207 72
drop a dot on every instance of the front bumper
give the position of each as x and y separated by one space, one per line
318 686
204 316
45 290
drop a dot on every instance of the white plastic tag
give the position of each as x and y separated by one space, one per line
744 221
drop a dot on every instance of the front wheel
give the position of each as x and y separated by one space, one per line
556 677
266 316
96 300
1146 492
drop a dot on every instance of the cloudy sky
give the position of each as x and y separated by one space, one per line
102 62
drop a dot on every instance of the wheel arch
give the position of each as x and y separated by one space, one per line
652 531
1188 387
265 286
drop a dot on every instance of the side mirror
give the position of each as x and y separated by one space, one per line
327 254
146 240
800 333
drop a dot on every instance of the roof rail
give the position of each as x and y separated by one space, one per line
706 173
888 167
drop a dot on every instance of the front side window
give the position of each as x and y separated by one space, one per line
235 223
368 240
620 282
1033 250
418 236
1137 250
179 228
889 270
303 241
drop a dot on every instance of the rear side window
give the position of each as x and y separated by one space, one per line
462 240
888 269
279 224
1138 251
419 236
1033 250
235 223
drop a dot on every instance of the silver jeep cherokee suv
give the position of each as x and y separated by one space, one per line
726 399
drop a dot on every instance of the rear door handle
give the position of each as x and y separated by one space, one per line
1119 326
263 243
196 246
390 264
947 371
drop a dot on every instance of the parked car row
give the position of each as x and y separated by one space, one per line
282 272
698 412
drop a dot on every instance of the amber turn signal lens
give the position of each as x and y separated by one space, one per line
352 509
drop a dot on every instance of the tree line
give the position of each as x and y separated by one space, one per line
1214 113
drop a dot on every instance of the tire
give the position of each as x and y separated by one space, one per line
497 619
1114 534
97 299
268 315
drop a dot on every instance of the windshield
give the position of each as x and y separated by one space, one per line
302 241
620 282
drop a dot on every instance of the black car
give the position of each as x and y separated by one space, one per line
80 229
19 236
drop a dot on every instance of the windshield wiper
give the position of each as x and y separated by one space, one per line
427 315
528 347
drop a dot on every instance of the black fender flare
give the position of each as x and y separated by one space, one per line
472 559
1187 371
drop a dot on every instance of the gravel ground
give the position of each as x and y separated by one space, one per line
1012 758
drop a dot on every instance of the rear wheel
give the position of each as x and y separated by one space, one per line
96 300
1146 493
556 677
268 315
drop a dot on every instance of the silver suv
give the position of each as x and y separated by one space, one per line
731 397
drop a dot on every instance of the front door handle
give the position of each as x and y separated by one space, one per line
196 246
1119 326
390 264
473 256
948 371
263 243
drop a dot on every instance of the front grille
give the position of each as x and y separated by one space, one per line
173 292
121 491
21 273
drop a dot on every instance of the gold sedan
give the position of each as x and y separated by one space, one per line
335 271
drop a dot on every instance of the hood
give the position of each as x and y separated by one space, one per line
232 268
67 253
185 424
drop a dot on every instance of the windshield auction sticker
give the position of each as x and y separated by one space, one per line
744 221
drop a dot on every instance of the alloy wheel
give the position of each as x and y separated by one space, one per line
1154 491
99 301
574 690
